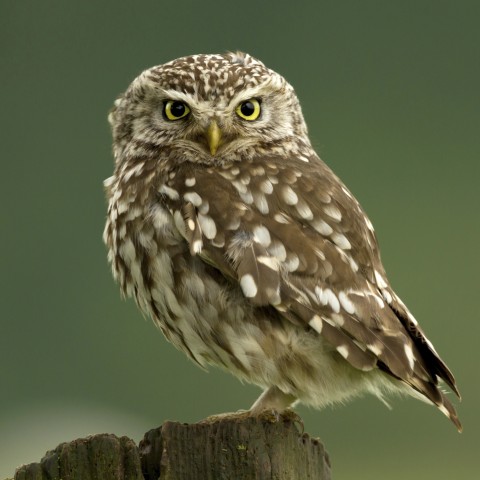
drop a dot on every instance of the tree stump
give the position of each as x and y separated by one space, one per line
229 447
99 457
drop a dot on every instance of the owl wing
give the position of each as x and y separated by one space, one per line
294 238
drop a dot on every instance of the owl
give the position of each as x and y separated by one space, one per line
246 250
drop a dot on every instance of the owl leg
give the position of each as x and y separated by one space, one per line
272 399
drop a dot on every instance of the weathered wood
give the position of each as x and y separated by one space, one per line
228 447
99 457
233 447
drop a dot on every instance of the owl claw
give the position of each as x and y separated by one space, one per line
293 417
273 415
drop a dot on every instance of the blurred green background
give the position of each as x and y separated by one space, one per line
390 91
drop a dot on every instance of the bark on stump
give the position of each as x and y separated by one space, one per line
232 447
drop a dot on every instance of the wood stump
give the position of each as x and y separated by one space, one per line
229 447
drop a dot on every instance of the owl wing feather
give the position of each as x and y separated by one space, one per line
294 238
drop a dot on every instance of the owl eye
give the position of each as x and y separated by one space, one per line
175 110
249 110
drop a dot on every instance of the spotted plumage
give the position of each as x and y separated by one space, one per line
245 248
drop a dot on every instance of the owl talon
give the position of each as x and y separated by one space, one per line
292 416
270 415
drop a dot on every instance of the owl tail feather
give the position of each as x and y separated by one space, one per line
449 410
433 394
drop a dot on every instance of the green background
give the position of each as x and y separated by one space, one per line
390 91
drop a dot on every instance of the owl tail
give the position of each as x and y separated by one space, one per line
432 394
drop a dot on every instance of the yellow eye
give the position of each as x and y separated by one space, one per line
175 110
249 110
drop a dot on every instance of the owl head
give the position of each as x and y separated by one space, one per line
206 109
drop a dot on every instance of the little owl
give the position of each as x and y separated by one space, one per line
246 250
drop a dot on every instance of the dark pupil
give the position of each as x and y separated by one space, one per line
247 109
177 109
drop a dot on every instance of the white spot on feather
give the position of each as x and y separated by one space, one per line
277 250
234 224
289 196
207 225
270 262
257 170
341 241
197 246
343 351
218 241
169 192
247 197
375 349
409 354
444 410
322 227
245 179
369 223
338 319
352 263
346 192
292 262
333 211
346 303
380 302
281 218
332 300
262 235
190 182
380 280
387 296
273 179
304 210
320 254
108 182
249 287
261 203
241 188
322 298
316 323
266 187
412 318
326 296
194 198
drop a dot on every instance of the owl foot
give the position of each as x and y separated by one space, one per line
238 415
272 416
269 415
273 398
274 405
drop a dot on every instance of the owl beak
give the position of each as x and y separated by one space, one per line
214 136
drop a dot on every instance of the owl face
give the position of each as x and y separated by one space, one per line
207 108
